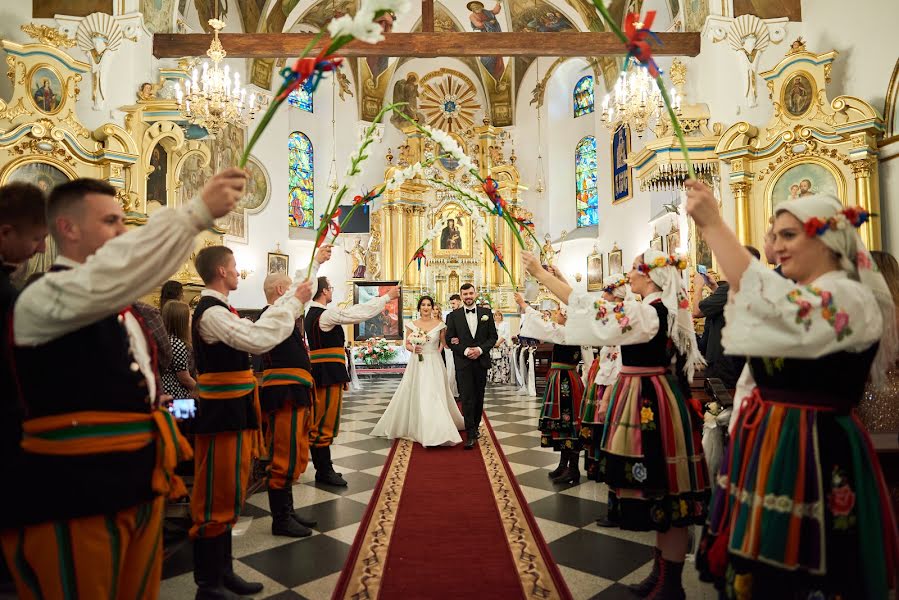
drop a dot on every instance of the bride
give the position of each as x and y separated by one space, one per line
423 409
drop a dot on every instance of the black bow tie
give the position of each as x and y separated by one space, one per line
471 310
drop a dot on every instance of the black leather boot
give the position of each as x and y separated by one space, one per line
232 580
208 569
304 521
571 473
643 588
563 460
282 515
669 585
324 469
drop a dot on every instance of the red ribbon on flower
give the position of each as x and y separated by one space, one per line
524 224
491 188
306 68
497 255
420 256
334 225
638 47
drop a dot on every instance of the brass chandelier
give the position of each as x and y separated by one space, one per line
635 100
215 99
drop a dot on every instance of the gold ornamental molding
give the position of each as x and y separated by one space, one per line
51 36
812 144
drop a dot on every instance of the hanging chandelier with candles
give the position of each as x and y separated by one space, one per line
635 100
214 98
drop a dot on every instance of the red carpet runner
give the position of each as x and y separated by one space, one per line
449 523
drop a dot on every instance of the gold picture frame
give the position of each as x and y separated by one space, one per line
595 273
672 240
277 263
656 243
616 265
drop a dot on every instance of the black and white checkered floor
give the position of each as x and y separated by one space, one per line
594 561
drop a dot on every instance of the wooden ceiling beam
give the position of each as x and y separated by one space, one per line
423 45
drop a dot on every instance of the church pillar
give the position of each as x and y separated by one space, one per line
867 197
740 190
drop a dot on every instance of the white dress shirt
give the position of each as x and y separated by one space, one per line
472 319
218 324
117 275
332 317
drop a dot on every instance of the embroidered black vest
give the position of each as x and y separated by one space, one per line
216 416
289 354
328 373
90 369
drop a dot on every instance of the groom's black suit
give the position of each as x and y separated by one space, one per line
471 375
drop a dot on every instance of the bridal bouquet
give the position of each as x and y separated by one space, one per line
375 351
418 338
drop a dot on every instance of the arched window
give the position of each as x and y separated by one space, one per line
302 98
585 182
299 182
583 96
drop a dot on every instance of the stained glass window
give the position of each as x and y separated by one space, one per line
300 186
583 96
302 98
585 182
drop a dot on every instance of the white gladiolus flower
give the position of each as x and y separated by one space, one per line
398 7
340 26
362 27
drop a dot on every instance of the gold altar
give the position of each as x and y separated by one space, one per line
455 256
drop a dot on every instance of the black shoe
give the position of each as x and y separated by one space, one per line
330 478
563 461
469 443
282 515
232 580
605 522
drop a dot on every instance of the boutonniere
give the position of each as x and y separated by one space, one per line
483 317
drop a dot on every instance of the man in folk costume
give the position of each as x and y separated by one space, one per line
326 338
286 399
228 413
94 424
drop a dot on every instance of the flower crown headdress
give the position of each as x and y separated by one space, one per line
678 262
622 280
856 216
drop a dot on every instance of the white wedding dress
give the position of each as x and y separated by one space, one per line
422 408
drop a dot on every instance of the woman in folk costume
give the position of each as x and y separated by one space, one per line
602 374
800 507
651 456
559 420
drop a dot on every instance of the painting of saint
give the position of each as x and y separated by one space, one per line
450 237
485 20
389 322
798 95
804 179
542 18
594 272
156 182
47 92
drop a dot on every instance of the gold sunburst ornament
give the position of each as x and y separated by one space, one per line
448 100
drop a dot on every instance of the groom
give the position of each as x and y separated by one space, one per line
471 333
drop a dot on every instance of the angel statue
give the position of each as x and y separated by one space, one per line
406 90
547 251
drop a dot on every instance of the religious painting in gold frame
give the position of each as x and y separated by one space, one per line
47 89
672 240
656 242
798 94
615 261
594 272
804 178
454 240
277 264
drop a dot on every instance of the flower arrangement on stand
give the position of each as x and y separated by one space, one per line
375 351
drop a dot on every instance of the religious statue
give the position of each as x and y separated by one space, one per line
406 90
146 92
537 93
99 36
373 260
496 155
547 251
357 256
344 83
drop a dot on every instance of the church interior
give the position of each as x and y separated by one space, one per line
423 164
